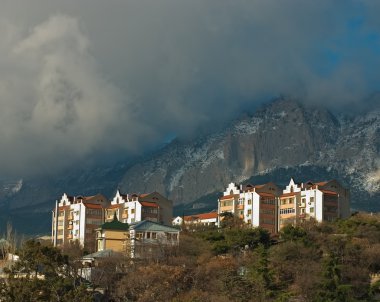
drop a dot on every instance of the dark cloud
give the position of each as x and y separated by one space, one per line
80 77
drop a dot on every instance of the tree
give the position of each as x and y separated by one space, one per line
42 274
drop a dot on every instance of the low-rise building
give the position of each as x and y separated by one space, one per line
112 235
144 239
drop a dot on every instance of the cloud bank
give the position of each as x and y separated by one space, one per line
81 78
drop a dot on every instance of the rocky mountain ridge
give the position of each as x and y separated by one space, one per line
280 140
281 134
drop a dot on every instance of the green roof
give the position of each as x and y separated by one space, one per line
147 225
115 225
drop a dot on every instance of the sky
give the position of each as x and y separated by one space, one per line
88 79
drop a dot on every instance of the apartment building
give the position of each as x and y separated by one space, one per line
322 201
130 208
76 218
269 207
256 205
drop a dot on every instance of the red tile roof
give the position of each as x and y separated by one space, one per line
92 206
329 192
149 204
207 215
288 194
113 206
263 194
227 197
201 216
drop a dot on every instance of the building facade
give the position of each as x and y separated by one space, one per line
76 218
130 208
268 207
256 205
143 239
321 201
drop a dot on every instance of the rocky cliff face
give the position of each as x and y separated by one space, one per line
282 134
282 139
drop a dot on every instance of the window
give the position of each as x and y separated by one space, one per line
249 212
139 235
132 211
311 199
241 212
249 201
148 235
287 211
312 210
290 200
154 235
249 221
268 201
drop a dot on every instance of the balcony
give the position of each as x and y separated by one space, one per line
124 215
70 227
70 236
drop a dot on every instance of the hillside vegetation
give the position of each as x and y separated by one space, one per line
310 262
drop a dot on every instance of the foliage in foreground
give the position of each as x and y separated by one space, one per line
309 262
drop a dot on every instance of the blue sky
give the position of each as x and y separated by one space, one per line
123 76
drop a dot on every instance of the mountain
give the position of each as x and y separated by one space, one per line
280 140
283 138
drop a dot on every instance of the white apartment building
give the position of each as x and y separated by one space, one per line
76 218
256 205
131 208
322 201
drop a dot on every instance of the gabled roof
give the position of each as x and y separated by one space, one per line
147 225
114 225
